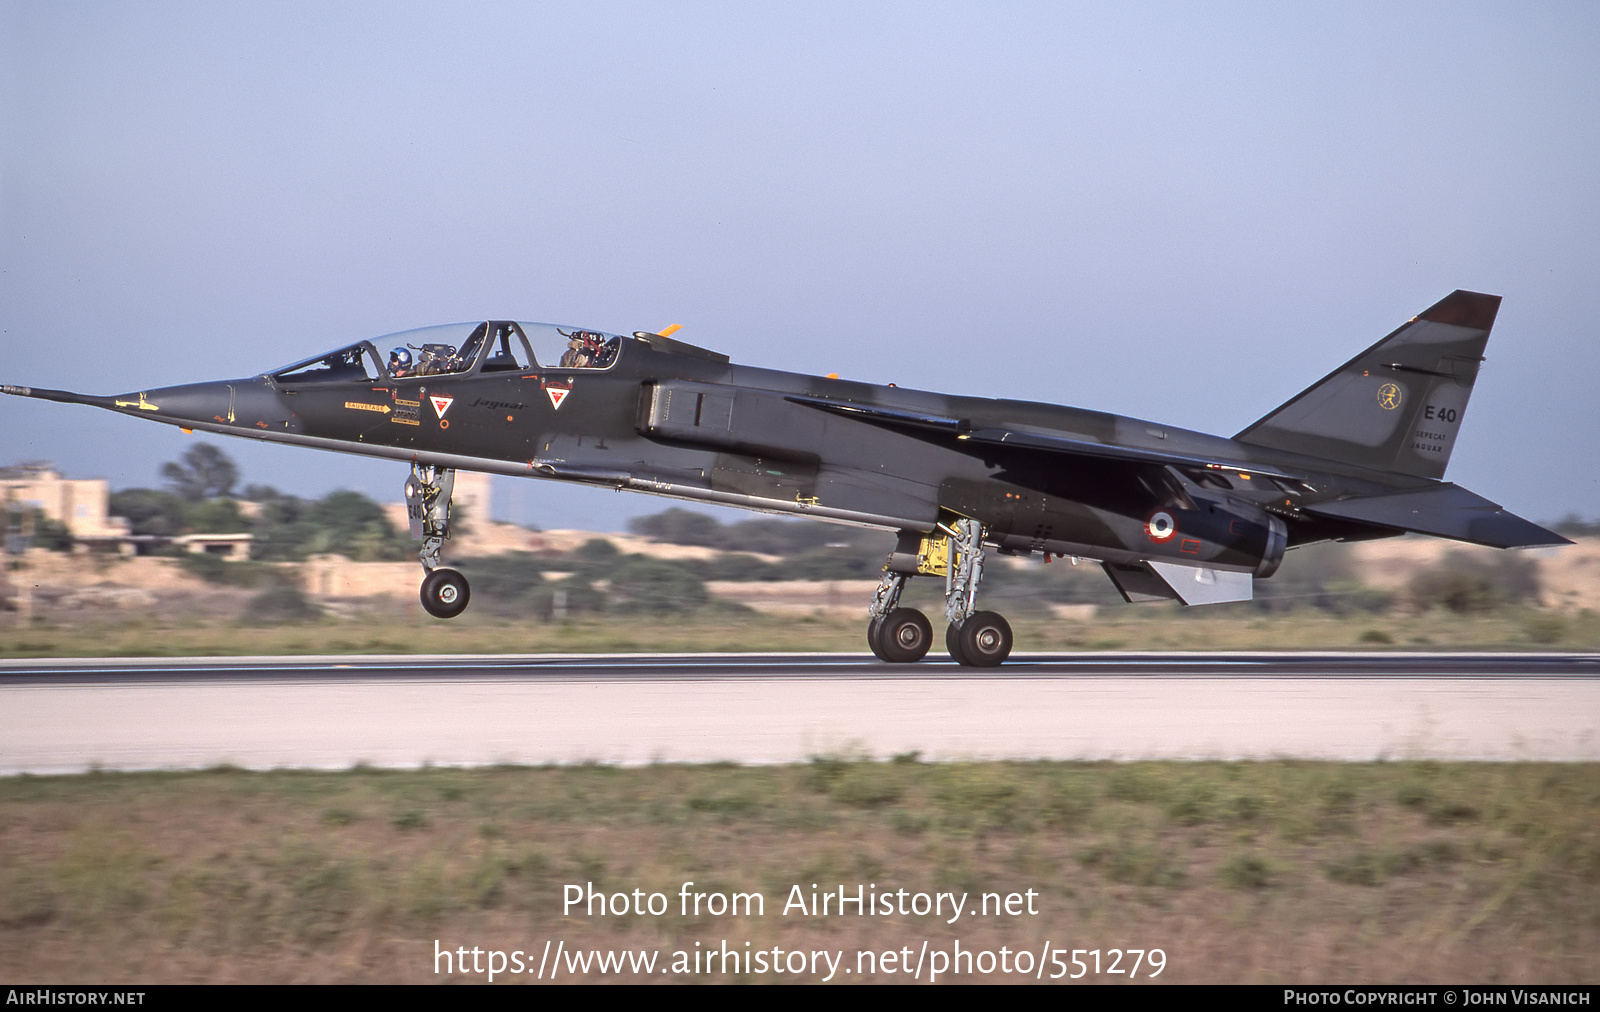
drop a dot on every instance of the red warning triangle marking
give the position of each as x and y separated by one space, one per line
557 395
441 404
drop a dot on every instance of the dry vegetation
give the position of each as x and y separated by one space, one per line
1269 872
209 627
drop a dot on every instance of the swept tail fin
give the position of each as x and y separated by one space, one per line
1396 406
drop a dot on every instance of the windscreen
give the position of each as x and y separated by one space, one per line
355 364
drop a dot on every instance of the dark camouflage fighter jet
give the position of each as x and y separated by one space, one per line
1169 514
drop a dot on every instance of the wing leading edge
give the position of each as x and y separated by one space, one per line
962 430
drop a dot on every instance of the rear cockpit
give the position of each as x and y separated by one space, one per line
572 347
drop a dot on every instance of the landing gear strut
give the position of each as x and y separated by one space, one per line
980 639
444 591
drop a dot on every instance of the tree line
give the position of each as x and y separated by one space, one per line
200 497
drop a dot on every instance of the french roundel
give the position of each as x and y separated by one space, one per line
1160 527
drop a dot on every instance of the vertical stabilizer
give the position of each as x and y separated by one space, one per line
1396 406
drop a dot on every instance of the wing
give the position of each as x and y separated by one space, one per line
973 440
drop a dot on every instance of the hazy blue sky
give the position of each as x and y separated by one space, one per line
1183 212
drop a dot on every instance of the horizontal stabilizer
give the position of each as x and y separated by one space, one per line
1166 581
1444 511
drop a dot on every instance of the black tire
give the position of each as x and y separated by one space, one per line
445 593
952 643
985 640
874 627
904 636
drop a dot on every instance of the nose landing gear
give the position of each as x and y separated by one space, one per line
444 591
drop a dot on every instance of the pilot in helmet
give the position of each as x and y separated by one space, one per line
577 354
399 362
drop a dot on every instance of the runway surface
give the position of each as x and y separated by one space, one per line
335 712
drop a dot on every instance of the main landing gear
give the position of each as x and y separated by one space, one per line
444 591
979 639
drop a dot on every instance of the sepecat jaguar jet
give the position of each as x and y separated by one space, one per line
1169 514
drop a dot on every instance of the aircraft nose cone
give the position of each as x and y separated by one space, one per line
209 405
190 402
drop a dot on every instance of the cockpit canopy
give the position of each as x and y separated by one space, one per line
459 349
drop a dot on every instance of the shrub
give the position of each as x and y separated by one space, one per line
1469 584
679 527
1545 627
1247 871
46 533
282 604
215 569
655 586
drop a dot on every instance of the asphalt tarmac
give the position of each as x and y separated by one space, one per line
61 716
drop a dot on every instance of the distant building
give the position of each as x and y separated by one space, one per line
82 506
228 546
78 504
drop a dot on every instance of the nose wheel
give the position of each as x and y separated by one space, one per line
445 593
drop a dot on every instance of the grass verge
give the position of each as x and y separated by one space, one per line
1253 872
397 630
